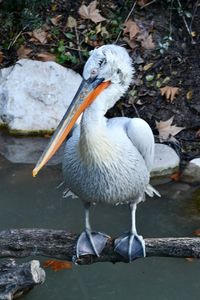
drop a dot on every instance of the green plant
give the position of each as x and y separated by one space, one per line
63 54
22 13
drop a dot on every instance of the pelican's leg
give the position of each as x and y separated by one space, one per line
131 245
90 242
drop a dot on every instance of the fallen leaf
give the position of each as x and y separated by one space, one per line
196 232
149 77
170 92
104 32
57 265
148 43
132 28
98 28
46 56
142 2
132 44
189 95
198 132
55 20
176 176
39 35
190 259
166 80
147 67
1 57
71 22
166 130
91 12
23 52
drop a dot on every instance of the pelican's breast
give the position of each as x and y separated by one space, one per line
104 167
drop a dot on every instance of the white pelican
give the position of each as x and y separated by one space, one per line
105 160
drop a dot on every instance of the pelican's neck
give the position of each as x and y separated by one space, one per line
94 135
93 120
93 123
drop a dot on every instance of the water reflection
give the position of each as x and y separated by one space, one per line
36 202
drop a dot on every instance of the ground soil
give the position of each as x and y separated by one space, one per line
179 64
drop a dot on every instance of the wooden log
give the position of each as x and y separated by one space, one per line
60 244
18 279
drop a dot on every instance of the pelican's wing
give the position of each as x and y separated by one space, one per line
142 138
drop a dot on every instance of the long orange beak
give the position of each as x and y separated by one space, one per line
85 95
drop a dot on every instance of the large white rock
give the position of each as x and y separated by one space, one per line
192 171
166 161
34 95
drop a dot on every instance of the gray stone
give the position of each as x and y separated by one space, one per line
26 149
166 161
34 95
192 171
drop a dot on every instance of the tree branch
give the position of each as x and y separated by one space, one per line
18 279
60 244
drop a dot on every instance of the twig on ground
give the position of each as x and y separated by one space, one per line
186 24
147 4
193 14
78 45
16 38
129 14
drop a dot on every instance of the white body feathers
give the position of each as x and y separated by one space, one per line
109 160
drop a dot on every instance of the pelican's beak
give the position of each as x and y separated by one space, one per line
87 92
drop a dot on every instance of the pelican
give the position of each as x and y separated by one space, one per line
105 160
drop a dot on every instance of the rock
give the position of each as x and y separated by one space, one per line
192 171
166 161
34 95
26 149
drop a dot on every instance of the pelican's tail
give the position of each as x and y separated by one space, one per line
150 191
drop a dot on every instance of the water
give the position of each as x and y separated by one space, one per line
36 202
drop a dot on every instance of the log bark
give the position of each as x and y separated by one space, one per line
18 279
60 244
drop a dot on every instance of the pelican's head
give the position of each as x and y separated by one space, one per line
108 69
110 63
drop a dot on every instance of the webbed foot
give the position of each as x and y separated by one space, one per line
130 246
91 243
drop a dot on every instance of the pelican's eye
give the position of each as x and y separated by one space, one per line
101 62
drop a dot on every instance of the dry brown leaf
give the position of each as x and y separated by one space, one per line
23 52
189 95
39 35
142 2
46 56
190 259
55 20
1 57
176 176
198 133
91 12
166 130
170 92
196 232
57 265
71 22
132 44
146 39
132 28
147 43
148 66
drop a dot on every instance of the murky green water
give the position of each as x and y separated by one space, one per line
28 202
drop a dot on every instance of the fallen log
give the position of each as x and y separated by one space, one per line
18 279
60 244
